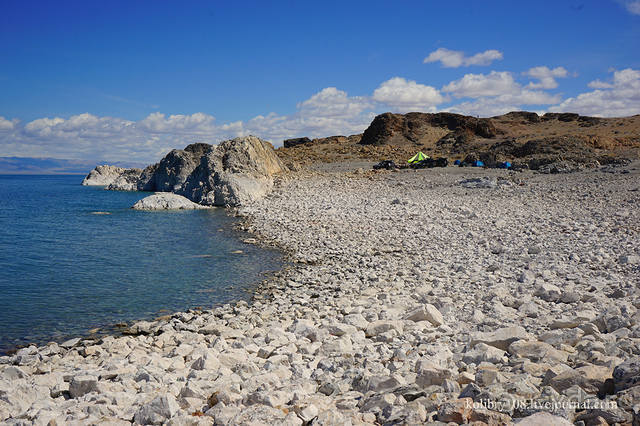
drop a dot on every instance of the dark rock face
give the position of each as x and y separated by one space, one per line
409 128
127 181
627 374
525 116
560 116
146 181
172 171
289 143
553 146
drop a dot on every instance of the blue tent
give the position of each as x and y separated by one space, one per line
478 163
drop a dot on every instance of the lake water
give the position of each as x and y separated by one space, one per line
65 270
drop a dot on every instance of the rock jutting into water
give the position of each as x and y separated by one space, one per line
166 201
233 173
104 175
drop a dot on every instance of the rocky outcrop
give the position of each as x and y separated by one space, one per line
173 170
103 175
127 181
166 201
412 128
234 173
289 143
522 116
339 139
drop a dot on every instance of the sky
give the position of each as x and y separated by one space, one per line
129 80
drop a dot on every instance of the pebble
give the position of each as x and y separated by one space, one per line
389 312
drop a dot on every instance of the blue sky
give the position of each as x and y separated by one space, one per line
112 80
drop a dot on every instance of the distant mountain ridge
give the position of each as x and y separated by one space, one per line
34 166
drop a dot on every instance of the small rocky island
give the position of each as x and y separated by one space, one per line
452 295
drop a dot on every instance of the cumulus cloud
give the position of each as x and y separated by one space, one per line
328 112
498 105
455 58
407 95
477 85
546 77
618 98
331 102
6 125
495 93
197 123
89 137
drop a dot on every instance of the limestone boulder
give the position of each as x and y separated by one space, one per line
166 201
103 175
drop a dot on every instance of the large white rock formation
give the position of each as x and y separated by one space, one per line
103 175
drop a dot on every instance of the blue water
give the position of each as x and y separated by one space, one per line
65 270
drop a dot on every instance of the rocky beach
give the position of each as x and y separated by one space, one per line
415 296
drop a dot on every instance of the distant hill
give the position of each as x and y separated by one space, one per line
34 166
521 137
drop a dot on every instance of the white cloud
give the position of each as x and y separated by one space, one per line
632 6
331 102
328 112
6 125
407 95
477 85
455 58
497 105
546 77
619 98
497 93
485 107
197 123
598 84
89 137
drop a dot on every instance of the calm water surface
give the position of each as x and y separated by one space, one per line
65 270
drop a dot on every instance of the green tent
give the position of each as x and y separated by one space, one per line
418 157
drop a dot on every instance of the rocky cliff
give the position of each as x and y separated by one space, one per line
104 175
416 127
126 181
233 173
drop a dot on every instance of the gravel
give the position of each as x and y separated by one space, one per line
410 298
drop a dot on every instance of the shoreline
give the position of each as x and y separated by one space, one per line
402 286
119 328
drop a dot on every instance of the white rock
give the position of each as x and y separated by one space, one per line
482 352
548 292
158 411
81 385
103 175
382 326
501 338
630 259
426 312
166 201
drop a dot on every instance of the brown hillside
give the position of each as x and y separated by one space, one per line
520 137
